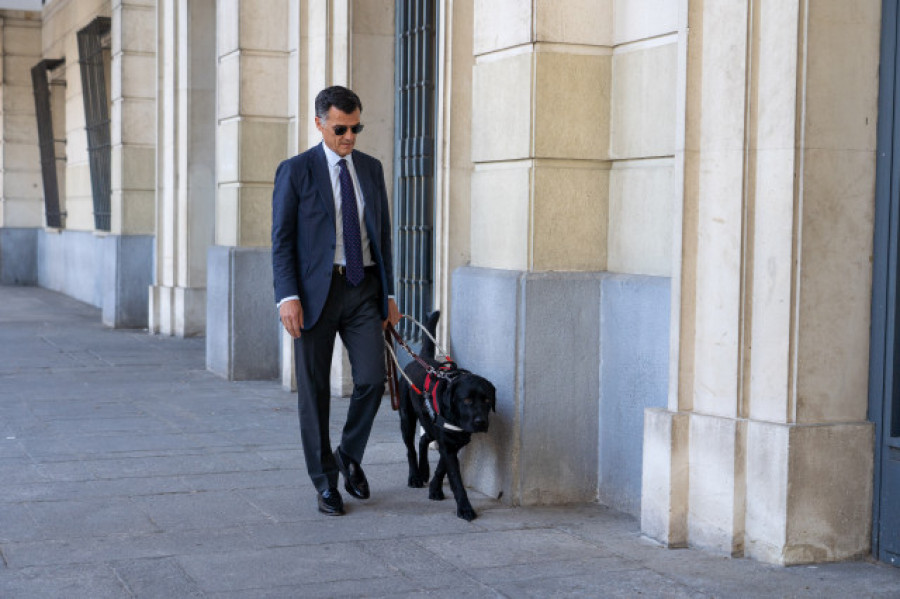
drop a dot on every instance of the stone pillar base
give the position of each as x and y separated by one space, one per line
241 319
664 487
809 492
127 272
717 479
535 336
18 256
178 311
288 374
781 493
575 357
341 375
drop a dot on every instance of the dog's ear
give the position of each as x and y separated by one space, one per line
492 393
446 398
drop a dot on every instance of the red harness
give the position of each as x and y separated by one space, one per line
433 381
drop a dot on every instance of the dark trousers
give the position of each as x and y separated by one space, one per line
354 314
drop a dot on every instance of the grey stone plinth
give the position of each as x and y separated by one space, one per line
575 358
111 272
18 256
241 321
127 273
634 342
483 330
69 262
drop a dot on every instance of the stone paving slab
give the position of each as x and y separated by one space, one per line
128 470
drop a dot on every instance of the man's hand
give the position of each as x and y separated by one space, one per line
291 314
393 314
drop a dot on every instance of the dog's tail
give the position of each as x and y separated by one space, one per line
431 326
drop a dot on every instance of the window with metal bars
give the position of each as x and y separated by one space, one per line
93 56
414 193
43 108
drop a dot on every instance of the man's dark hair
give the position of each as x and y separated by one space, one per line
338 96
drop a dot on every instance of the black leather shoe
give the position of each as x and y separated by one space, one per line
354 478
330 503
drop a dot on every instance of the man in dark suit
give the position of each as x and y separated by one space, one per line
331 255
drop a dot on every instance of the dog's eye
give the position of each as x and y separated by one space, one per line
467 401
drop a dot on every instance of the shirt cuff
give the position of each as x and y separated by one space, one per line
287 299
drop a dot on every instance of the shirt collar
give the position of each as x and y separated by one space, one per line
332 157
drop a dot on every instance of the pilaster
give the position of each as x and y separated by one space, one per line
21 197
540 139
132 117
186 166
541 167
773 286
21 200
252 125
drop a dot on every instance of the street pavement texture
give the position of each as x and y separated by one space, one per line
129 470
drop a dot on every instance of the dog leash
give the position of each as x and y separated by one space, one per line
434 376
391 366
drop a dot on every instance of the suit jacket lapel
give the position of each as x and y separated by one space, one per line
323 180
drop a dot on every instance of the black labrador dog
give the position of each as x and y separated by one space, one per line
451 404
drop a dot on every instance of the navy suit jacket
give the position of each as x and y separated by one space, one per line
303 233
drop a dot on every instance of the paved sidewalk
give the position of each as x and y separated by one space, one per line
128 470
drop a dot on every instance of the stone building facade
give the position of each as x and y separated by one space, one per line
654 227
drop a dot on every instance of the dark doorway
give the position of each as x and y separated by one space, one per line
884 365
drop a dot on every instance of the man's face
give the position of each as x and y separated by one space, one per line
340 144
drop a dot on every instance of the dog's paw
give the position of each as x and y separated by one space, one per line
436 494
415 481
466 513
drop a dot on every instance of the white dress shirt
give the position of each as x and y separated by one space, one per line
334 170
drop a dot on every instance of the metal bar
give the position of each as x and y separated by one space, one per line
414 174
46 144
96 116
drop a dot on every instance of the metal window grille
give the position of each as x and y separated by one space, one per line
46 142
414 195
96 115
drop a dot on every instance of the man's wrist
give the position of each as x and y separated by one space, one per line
287 299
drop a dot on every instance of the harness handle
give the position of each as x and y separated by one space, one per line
447 371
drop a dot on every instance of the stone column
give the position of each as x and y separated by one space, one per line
21 197
251 139
127 268
764 449
185 211
539 207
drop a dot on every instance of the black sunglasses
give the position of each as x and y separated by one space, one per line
340 130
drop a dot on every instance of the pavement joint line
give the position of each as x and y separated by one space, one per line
124 584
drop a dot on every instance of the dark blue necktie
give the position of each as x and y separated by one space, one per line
350 217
